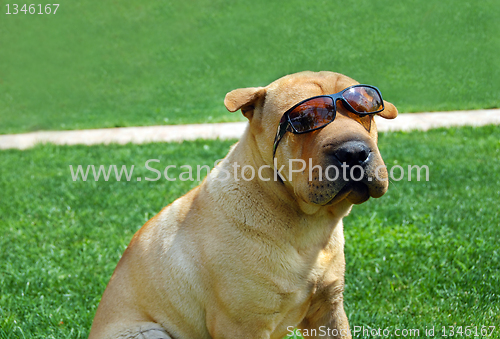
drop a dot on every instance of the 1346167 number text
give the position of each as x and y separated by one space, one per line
32 9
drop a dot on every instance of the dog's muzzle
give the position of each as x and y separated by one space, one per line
348 173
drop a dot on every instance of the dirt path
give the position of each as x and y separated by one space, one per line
138 135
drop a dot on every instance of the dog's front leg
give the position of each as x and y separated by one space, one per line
326 320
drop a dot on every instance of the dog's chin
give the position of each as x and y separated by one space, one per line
359 193
353 192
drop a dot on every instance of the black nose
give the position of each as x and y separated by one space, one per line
353 153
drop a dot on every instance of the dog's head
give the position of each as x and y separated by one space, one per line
342 160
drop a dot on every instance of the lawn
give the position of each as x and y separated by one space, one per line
426 254
122 63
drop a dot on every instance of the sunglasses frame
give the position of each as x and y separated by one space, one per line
287 126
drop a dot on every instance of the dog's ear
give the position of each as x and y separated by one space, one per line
390 111
244 98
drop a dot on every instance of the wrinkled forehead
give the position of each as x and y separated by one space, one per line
289 90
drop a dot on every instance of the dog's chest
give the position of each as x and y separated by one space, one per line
286 302
289 290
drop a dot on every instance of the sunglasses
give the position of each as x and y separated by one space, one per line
317 112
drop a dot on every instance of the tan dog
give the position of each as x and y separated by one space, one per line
238 258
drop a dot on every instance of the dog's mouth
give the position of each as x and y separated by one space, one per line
354 192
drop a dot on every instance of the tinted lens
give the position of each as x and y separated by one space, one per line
363 99
313 113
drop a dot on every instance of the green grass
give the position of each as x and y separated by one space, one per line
109 63
426 254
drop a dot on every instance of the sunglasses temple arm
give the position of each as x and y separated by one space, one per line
279 135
